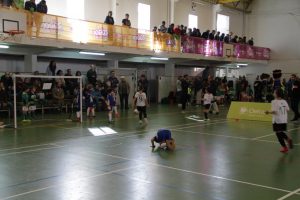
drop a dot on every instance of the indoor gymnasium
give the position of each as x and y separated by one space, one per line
149 99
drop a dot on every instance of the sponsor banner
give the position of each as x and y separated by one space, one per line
251 52
249 111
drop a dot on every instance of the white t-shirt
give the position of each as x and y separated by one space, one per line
140 99
178 86
281 108
208 98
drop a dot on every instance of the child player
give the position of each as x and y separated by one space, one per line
112 104
280 116
163 136
140 103
207 101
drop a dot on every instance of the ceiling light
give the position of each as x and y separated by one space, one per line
242 64
3 46
92 53
157 58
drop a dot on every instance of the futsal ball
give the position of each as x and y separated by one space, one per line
136 111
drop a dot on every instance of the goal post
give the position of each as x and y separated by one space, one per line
47 84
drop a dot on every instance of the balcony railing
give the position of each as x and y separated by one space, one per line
61 28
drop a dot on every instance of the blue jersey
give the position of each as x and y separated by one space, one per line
111 99
89 100
163 135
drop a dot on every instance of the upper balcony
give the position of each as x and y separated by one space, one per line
60 32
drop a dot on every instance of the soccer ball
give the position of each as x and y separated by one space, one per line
136 111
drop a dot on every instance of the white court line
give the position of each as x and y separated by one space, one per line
26 147
198 120
193 172
273 133
72 181
289 194
20 152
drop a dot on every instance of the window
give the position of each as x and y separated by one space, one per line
223 23
193 21
143 17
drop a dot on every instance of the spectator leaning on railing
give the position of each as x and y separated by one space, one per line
126 21
109 19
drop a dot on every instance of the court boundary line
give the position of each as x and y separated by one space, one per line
290 194
289 130
193 172
77 180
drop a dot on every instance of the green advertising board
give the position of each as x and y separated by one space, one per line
249 111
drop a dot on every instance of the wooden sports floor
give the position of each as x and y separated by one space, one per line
54 159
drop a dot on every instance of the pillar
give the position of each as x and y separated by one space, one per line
114 64
30 63
170 69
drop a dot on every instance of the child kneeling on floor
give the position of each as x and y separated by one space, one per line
163 136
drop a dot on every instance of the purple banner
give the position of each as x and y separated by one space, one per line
202 46
251 52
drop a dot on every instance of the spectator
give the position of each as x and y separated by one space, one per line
113 80
7 81
250 42
178 90
58 95
234 40
154 29
211 36
109 19
177 30
194 32
92 75
163 27
126 21
42 7
171 29
198 33
60 81
7 3
222 37
30 5
227 38
3 96
295 96
189 33
51 69
70 83
217 36
244 40
124 90
205 34
143 83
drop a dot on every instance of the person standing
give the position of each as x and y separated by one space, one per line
295 96
114 82
143 83
109 19
279 111
41 8
184 92
126 21
92 75
178 90
124 90
140 103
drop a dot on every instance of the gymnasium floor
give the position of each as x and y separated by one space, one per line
216 160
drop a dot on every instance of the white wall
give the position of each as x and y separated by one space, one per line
276 24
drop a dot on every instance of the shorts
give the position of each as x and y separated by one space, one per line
156 140
279 127
207 106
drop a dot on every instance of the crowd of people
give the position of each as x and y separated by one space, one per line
98 94
182 30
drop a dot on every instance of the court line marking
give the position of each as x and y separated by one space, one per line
57 144
289 194
289 130
26 147
72 181
198 120
193 172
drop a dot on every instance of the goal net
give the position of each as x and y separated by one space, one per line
39 98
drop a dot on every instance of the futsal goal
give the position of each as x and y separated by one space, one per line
38 98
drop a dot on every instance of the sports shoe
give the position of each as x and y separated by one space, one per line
146 120
290 142
206 119
284 150
140 122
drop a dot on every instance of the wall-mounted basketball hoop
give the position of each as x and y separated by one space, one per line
12 35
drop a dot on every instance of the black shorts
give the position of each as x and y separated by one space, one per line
207 106
279 127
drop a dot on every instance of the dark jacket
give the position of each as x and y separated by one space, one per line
30 6
42 7
109 20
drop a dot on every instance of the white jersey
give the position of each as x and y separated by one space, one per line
208 98
281 108
140 99
178 86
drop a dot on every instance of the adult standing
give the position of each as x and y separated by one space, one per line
110 21
92 75
178 90
126 21
124 90
41 8
295 96
51 69
184 92
143 83
114 82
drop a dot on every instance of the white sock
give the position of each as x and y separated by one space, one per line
110 116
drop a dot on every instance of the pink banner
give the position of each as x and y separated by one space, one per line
202 46
251 52
215 48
